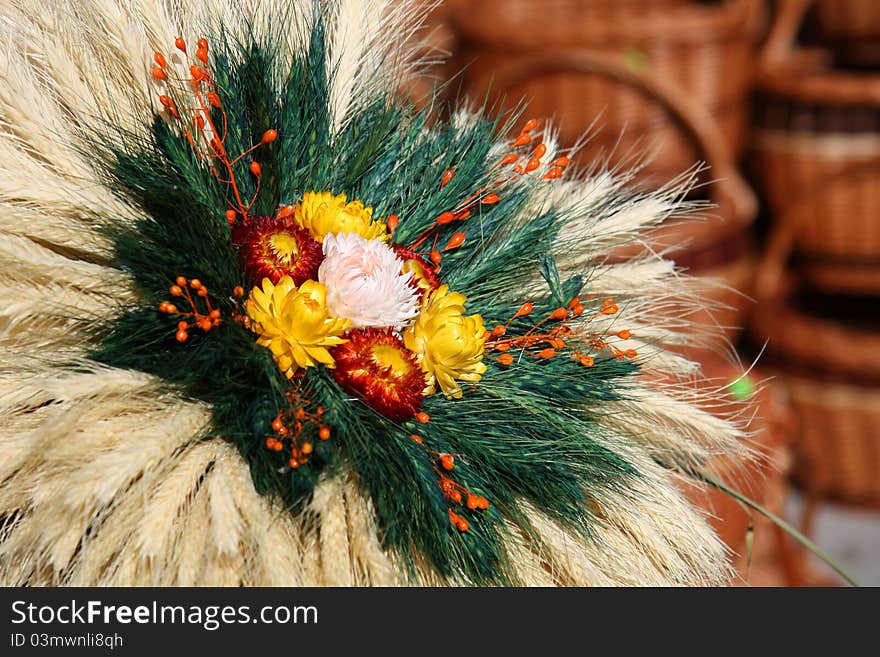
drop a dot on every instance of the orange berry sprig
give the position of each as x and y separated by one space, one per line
199 127
453 491
523 162
489 195
290 427
240 313
205 321
551 341
462 212
549 344
435 255
609 307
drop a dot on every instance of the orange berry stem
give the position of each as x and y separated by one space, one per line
253 148
203 87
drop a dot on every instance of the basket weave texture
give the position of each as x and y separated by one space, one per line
818 155
705 50
849 19
838 454
818 136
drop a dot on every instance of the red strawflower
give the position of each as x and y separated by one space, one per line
375 365
272 247
424 278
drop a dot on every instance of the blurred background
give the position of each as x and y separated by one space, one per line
781 99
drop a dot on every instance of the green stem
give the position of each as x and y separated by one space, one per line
791 531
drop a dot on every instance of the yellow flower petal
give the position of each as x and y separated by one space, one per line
322 213
448 343
294 323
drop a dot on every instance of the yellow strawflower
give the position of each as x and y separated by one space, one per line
294 323
322 213
448 343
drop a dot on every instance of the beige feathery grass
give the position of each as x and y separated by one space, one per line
156 527
193 548
328 503
372 566
107 478
672 430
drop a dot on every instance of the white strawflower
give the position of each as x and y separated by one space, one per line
365 282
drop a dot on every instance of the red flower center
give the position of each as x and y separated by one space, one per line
375 365
272 247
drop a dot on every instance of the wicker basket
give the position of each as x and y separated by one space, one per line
838 443
831 368
832 374
852 28
837 234
820 129
827 334
705 49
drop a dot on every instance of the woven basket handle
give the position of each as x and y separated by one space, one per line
730 192
773 282
781 40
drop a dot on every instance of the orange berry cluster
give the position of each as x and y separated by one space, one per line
435 255
549 344
552 341
205 321
526 164
290 426
452 490
599 342
609 307
206 136
240 313
484 196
